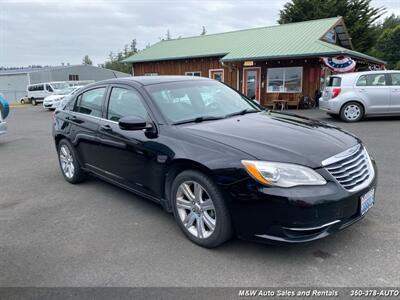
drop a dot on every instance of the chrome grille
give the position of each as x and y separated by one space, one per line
351 168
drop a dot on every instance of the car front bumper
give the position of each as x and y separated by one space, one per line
3 127
51 105
294 215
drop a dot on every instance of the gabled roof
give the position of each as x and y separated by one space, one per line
303 39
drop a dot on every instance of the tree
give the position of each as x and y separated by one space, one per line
87 61
204 31
134 46
382 35
358 15
168 35
388 44
115 60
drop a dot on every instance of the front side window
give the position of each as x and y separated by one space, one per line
193 73
285 80
48 88
187 100
395 78
124 103
372 80
90 102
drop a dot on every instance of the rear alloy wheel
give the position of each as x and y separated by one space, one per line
352 112
200 209
69 164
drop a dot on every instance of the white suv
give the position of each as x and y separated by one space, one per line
355 95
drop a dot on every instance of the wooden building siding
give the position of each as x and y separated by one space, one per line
310 79
180 67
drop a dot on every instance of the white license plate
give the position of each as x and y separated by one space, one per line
367 201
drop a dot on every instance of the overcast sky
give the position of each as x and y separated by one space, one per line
51 32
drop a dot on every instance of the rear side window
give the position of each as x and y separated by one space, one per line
124 103
334 81
372 80
395 78
90 102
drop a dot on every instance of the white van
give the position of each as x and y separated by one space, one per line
37 92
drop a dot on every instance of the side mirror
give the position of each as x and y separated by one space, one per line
133 123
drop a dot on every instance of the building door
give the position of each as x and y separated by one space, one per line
217 74
252 82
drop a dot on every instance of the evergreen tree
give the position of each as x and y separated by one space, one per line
87 61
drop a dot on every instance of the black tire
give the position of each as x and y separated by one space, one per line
334 116
345 114
78 174
223 227
34 102
22 101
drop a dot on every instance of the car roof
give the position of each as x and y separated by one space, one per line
149 80
353 74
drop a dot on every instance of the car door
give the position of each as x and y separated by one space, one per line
130 157
48 91
85 121
395 93
375 92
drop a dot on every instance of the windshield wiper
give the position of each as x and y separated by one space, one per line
242 112
198 120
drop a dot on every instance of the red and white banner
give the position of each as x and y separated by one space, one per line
339 64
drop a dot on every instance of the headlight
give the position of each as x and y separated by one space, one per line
282 174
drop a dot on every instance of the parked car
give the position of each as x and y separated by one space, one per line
216 159
53 101
4 111
24 100
37 92
353 96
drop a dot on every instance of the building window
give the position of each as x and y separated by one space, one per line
216 74
73 77
285 80
150 74
197 73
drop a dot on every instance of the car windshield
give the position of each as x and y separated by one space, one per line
195 101
59 85
65 91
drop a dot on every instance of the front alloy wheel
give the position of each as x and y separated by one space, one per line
196 209
200 209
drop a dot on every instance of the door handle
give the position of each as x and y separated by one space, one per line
74 119
106 127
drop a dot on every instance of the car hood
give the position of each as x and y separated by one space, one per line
53 97
278 137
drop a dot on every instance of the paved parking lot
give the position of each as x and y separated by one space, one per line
94 234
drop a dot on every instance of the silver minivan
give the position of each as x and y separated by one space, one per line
355 95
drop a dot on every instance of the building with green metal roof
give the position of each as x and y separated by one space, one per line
281 62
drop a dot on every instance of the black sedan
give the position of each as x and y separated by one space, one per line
217 160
